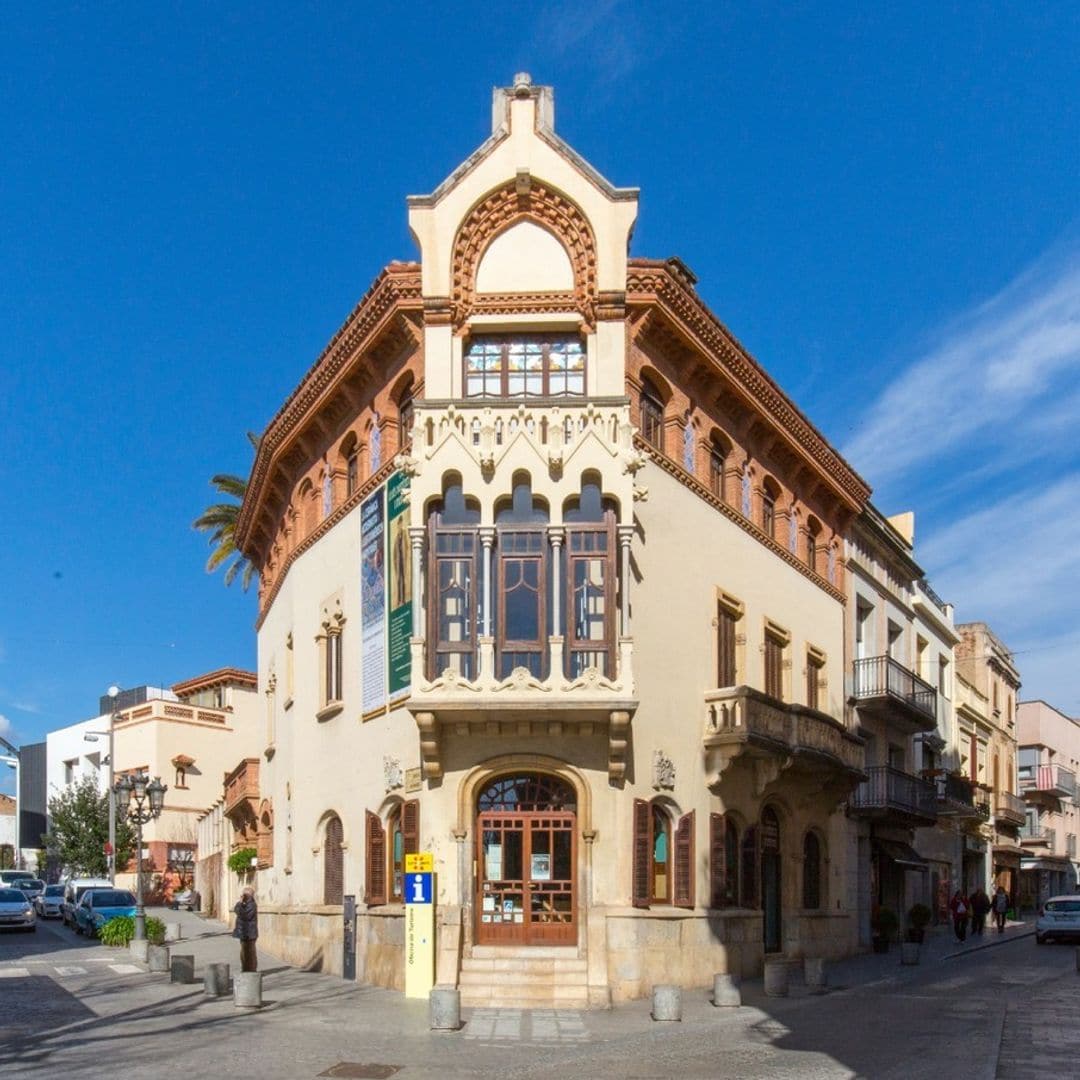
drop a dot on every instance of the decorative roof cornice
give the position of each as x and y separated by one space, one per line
669 285
216 678
396 289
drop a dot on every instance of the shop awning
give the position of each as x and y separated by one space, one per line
904 855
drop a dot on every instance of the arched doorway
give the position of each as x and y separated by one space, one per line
771 902
526 887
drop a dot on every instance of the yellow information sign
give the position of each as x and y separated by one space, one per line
420 862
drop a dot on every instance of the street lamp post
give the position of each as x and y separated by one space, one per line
92 736
139 800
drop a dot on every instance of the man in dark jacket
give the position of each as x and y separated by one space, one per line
247 928
980 908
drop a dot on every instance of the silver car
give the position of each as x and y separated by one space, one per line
15 911
47 905
1059 919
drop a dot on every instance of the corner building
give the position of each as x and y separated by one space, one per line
552 586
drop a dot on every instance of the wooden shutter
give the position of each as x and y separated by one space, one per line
749 898
725 646
375 871
410 826
642 884
718 883
333 863
684 862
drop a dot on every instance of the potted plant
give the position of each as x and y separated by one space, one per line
884 923
918 917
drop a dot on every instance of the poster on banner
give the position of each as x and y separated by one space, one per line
373 603
400 586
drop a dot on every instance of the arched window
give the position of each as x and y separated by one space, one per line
717 460
663 862
811 889
652 415
813 542
661 857
333 862
350 452
309 507
396 852
770 493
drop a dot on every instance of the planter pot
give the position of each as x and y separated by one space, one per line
881 944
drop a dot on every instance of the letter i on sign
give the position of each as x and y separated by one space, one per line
418 888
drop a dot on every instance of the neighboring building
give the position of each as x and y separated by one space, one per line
594 660
216 886
8 837
988 685
71 756
1049 757
33 801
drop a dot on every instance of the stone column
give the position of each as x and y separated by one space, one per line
416 537
626 533
556 534
487 645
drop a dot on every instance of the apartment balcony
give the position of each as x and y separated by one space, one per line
747 728
959 798
883 687
890 796
1009 810
173 711
1051 781
1037 839
242 789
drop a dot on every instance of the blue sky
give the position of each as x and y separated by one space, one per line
882 206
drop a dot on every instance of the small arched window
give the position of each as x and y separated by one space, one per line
813 542
661 857
811 872
652 415
396 850
333 862
770 493
717 460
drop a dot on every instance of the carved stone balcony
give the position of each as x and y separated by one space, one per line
891 796
746 727
884 687
242 789
1009 810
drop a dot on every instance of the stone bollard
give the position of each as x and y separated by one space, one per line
909 953
216 980
157 956
667 1003
444 1009
776 978
247 990
139 950
172 931
814 973
725 991
182 969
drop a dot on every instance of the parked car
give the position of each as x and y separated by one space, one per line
73 893
47 905
32 888
98 906
9 877
1059 919
15 911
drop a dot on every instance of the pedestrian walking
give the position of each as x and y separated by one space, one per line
1000 905
247 928
980 908
959 907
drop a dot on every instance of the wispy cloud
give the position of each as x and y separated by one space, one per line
1005 377
5 727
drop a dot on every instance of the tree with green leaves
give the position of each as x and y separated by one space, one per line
79 830
219 520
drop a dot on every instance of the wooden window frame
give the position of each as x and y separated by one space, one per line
333 875
352 473
574 644
769 500
681 857
729 613
724 861
537 646
651 409
815 668
467 647
375 883
717 463
546 341
774 654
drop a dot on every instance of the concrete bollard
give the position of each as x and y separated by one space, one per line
776 978
216 980
182 969
139 950
444 1009
157 956
172 931
667 1003
247 990
725 991
909 953
814 973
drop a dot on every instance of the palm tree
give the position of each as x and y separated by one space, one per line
219 520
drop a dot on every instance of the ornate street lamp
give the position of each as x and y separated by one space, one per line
139 800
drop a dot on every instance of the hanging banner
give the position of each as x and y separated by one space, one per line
373 603
399 562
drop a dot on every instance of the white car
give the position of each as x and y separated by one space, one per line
47 905
15 911
1059 919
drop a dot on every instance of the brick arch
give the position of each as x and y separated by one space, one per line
500 210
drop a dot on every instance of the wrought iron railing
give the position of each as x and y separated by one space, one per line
882 676
886 788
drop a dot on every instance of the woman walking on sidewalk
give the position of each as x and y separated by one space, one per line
1001 905
980 908
247 928
959 907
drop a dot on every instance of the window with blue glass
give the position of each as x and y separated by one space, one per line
524 366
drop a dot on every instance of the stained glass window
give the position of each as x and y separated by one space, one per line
539 365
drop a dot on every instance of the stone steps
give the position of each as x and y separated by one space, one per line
527 978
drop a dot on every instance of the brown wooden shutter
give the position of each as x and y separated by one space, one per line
725 646
718 883
333 863
749 896
375 871
642 884
684 862
410 826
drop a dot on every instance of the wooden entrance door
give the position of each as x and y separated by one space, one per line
526 888
771 896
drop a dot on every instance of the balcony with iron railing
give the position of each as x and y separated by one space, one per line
1054 781
1009 809
1037 837
889 794
883 687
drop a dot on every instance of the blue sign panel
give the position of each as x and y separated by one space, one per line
418 888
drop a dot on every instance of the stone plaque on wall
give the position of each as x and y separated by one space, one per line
414 780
